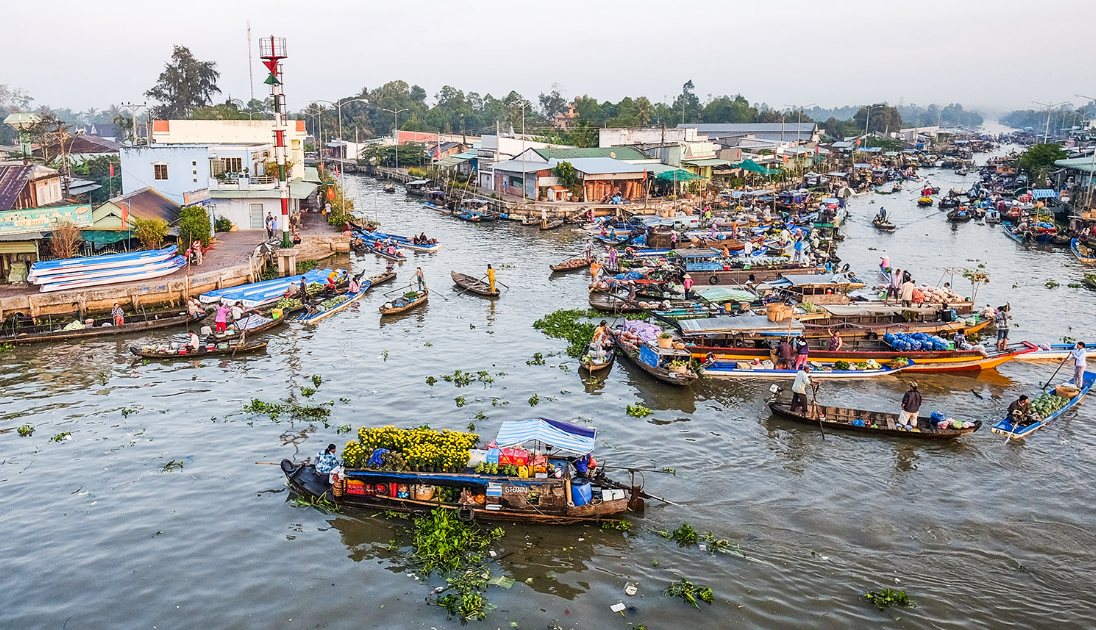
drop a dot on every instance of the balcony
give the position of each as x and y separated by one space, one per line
239 181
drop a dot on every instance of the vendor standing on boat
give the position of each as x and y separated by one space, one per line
1080 362
799 388
911 404
222 317
802 350
118 314
882 215
420 280
491 277
836 342
1001 318
589 249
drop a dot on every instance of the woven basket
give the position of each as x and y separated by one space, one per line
1066 391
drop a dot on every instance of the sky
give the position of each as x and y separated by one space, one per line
787 53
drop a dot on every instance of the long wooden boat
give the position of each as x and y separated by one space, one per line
473 285
373 247
395 308
1007 427
923 361
572 265
650 359
1083 253
530 220
402 241
235 332
381 278
100 327
1047 352
314 315
231 349
551 225
871 422
744 369
540 498
121 275
611 303
1007 227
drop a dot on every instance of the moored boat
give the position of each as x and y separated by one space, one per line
210 350
573 264
869 422
551 225
334 305
668 365
504 483
405 302
746 369
15 332
1082 252
473 285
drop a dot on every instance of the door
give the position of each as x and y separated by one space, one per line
257 216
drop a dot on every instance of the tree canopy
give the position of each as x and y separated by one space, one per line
184 85
1039 158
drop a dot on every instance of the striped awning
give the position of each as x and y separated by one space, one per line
561 435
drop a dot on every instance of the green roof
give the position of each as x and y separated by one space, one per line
619 153
1083 164
298 189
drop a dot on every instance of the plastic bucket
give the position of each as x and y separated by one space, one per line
580 491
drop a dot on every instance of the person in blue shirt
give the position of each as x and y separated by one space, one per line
1080 362
327 461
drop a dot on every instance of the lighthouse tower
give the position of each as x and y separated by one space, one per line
272 51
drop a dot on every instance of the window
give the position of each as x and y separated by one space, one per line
233 165
160 171
193 163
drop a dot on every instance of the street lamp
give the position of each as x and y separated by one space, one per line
798 125
395 131
338 106
1046 134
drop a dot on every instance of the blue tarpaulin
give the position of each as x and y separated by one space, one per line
561 435
1043 193
648 356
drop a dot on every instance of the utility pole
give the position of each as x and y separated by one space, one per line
1046 134
396 131
524 175
250 72
133 112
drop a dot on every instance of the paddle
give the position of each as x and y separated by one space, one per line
1044 385
814 404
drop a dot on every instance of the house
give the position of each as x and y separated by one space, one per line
226 132
624 154
566 119
28 186
628 136
438 151
232 177
497 149
79 148
806 132
599 177
112 221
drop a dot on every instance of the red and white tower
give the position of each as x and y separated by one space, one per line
272 51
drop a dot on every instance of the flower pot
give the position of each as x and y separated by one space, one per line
665 342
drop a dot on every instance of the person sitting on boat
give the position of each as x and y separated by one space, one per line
784 355
423 240
1019 412
194 343
354 286
194 308
118 314
586 466
799 388
602 336
327 461
911 404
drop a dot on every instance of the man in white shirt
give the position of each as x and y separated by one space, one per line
1080 362
799 388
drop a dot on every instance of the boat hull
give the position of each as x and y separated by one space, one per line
840 418
1006 427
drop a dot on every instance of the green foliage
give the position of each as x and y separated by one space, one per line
887 597
883 118
295 411
619 526
97 169
171 465
185 84
684 535
565 171
194 225
223 224
26 430
151 232
638 411
538 359
447 545
7 347
304 266
1040 158
691 593
61 436
564 324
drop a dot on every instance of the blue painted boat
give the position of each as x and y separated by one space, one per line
124 274
730 369
90 263
1007 226
258 294
1085 256
403 241
312 316
1006 426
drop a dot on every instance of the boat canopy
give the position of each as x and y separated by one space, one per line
561 435
740 324
418 182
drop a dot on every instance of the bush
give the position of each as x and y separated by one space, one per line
222 224
65 240
194 225
151 232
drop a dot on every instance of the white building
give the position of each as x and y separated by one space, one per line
625 136
235 132
496 149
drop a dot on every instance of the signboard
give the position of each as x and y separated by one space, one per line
43 219
198 197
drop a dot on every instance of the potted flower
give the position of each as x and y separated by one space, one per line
666 340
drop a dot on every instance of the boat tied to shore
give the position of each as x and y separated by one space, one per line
15 330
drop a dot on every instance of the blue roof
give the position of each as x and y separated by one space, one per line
1043 193
561 435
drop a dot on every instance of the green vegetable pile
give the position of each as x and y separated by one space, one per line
564 324
841 366
1047 404
313 288
288 303
335 301
887 597
483 468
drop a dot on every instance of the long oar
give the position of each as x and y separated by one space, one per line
1044 385
814 404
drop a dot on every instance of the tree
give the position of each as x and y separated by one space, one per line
231 109
1040 158
686 105
553 102
883 118
65 240
151 232
185 84
194 225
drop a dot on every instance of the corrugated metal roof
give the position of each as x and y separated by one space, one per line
146 203
704 128
517 166
751 323
24 236
618 153
604 166
707 162
12 180
1083 164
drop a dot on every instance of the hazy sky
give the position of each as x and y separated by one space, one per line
789 52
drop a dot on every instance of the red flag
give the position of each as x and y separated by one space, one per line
112 169
125 216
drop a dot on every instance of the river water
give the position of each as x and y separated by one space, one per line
980 533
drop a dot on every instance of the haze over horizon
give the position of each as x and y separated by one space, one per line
796 54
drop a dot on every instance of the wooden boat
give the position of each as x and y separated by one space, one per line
220 350
650 360
41 272
873 422
15 332
547 500
551 225
473 285
377 249
925 202
1007 227
403 241
1083 253
1047 352
1007 427
948 202
381 278
594 364
923 361
572 265
959 215
314 314
745 369
235 332
530 220
883 225
390 188
612 303
402 304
